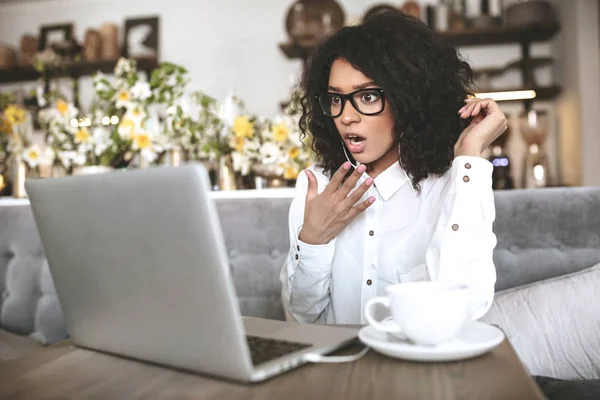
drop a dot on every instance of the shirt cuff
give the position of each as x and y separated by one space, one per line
471 172
315 257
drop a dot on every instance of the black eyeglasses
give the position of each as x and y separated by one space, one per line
369 101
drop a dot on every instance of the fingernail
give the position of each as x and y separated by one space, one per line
369 181
371 199
346 165
362 168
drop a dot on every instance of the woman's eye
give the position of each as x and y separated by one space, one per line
370 97
335 100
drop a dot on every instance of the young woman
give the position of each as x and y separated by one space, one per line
401 192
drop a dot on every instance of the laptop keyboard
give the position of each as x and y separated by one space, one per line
263 349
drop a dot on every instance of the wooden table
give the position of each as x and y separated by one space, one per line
67 372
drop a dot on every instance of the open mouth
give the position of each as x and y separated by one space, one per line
355 143
356 140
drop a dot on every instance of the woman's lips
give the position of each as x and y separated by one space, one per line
356 144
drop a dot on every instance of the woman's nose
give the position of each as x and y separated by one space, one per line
349 114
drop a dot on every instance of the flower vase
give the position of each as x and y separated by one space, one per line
18 176
226 175
4 177
58 171
174 157
2 184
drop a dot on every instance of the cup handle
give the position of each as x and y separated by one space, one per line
377 324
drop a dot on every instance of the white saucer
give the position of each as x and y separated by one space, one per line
475 339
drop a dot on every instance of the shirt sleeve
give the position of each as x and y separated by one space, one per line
306 273
461 249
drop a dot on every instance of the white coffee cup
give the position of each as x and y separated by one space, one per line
428 313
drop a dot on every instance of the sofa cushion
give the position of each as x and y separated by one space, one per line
28 301
554 325
544 233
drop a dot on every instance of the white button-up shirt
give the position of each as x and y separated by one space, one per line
442 233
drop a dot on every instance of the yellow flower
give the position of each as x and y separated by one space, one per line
142 141
294 153
126 128
82 135
242 127
239 143
5 126
14 114
62 107
123 96
290 172
33 154
136 112
280 132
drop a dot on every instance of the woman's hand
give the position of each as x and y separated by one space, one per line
487 124
326 214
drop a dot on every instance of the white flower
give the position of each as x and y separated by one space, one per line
241 162
40 96
172 80
82 135
136 113
32 156
123 99
102 142
123 66
47 156
141 91
228 110
295 139
127 127
65 158
270 153
149 155
79 159
99 82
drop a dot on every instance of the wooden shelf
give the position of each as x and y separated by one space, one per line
470 37
500 35
547 93
76 70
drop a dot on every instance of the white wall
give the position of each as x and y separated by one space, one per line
224 44
233 45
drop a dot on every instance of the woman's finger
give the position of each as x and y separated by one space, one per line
343 191
476 109
337 178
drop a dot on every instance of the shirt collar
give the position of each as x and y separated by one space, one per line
390 181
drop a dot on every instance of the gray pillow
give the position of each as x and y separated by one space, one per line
554 324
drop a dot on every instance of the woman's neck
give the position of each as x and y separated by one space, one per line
378 166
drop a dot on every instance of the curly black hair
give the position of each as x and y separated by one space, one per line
424 80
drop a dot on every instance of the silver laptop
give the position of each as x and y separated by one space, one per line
140 268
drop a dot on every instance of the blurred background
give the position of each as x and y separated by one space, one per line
215 82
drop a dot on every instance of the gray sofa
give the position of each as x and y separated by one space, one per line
548 244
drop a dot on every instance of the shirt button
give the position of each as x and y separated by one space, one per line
296 256
466 178
455 227
468 166
371 233
369 282
298 247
